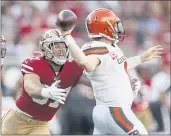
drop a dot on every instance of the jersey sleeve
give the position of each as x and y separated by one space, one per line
30 65
95 48
91 48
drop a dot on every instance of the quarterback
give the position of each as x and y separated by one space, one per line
107 68
40 98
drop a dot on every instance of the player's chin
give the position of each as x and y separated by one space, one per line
62 58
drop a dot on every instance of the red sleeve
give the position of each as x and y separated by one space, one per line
31 65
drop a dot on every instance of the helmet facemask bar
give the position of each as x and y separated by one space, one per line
62 53
119 31
51 54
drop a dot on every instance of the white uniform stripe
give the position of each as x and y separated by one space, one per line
28 67
25 71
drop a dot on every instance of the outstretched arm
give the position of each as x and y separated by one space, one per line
32 85
35 89
149 54
89 63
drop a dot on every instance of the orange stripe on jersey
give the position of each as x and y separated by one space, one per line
125 66
96 50
122 119
126 69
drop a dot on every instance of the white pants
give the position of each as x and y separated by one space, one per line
116 120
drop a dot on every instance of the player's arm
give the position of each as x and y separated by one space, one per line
32 85
32 82
132 74
35 89
149 54
89 63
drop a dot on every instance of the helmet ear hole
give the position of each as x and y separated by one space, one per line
95 19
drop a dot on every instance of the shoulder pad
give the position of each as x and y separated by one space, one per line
31 65
93 44
95 47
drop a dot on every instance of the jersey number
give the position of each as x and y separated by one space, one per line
44 101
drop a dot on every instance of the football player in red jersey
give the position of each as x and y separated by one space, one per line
3 48
37 104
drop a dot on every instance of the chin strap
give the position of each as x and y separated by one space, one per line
58 62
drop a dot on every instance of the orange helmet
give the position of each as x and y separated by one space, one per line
104 23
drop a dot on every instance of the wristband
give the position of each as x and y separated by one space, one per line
133 62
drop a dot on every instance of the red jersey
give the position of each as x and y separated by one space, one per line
45 109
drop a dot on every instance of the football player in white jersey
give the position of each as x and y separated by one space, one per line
107 68
3 48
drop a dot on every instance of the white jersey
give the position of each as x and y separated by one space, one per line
110 80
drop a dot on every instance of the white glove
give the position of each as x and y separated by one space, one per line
136 85
54 93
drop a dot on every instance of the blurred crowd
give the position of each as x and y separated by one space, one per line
147 23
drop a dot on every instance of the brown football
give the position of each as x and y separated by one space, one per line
66 20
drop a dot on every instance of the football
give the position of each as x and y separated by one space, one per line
66 20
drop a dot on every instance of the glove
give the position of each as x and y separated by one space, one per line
54 93
136 85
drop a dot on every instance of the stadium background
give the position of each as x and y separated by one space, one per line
147 23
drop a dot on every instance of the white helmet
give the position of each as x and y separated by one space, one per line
51 38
